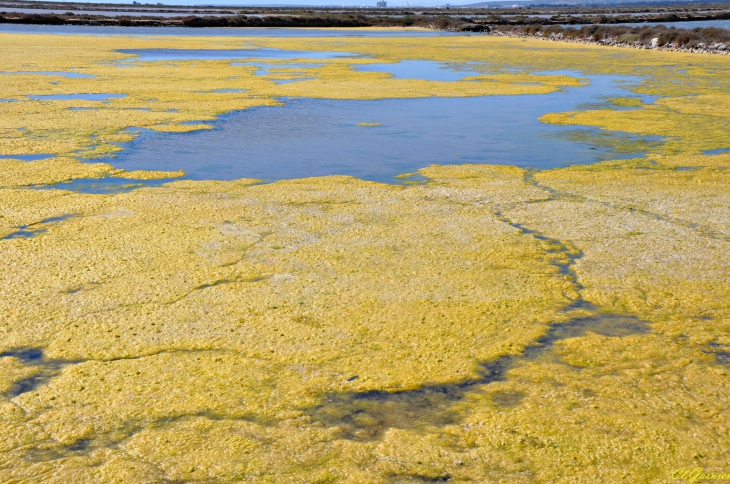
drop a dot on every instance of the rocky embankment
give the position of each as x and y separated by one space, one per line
709 40
571 19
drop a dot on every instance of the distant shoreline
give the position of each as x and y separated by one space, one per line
699 40
709 40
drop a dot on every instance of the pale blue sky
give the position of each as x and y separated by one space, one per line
370 3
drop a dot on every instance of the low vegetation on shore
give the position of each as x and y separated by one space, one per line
558 27
316 20
708 39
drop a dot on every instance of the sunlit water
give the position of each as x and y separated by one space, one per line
152 55
109 13
721 24
373 140
317 137
70 75
418 69
218 31
26 157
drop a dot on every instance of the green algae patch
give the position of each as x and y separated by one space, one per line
487 323
13 370
267 302
17 173
148 175
207 359
626 102
180 128
169 95
690 125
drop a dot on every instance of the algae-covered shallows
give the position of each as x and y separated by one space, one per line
211 330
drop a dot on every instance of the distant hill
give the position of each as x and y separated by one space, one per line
583 3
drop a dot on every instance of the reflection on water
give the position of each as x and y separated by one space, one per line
420 69
150 55
366 416
318 137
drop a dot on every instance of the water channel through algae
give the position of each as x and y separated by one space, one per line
487 323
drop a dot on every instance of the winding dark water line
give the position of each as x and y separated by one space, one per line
366 416
34 357
28 231
103 186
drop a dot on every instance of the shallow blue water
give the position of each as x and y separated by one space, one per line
72 75
264 68
316 137
718 151
296 79
110 13
722 24
105 186
419 69
149 55
26 157
216 31
28 231
72 97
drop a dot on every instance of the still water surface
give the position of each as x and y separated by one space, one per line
721 24
317 137
423 70
152 55
217 32
378 140
70 75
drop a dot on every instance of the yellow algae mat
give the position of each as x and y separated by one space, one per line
492 324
